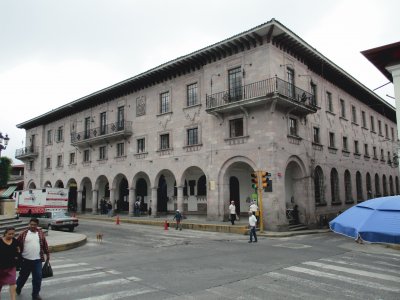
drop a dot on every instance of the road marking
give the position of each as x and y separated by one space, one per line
119 295
293 246
134 278
68 265
72 278
365 283
79 270
348 263
352 271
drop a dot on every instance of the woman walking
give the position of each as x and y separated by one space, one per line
8 260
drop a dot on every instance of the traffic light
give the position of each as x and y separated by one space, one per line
264 179
254 180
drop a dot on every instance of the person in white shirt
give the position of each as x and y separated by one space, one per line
252 225
254 209
232 212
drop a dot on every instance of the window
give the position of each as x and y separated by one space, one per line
380 127
388 156
374 152
236 128
49 136
363 119
192 94
192 136
120 149
86 155
314 94
332 139
377 186
369 186
141 145
386 131
366 151
345 144
293 126
356 148
102 153
164 103
121 118
319 186
347 187
391 129
290 79
316 138
72 158
48 162
382 155
353 114
87 127
235 84
372 124
59 161
329 101
342 109
164 141
31 165
103 123
60 134
335 186
360 196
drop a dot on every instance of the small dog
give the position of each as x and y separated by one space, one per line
99 237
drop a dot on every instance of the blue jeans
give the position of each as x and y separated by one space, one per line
28 267
253 234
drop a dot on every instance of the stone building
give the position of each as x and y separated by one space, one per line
188 134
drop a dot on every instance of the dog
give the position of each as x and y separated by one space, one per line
99 237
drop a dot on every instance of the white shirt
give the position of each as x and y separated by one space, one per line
252 220
31 246
232 209
254 207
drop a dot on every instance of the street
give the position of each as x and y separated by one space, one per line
147 262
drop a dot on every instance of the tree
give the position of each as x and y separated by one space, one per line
5 170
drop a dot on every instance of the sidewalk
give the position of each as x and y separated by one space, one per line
61 241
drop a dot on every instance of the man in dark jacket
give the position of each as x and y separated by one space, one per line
33 245
178 217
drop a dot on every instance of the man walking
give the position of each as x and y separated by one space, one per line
33 245
232 212
178 217
252 225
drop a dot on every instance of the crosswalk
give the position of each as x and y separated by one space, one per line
80 281
350 275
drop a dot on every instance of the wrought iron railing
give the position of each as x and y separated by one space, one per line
26 151
101 131
264 88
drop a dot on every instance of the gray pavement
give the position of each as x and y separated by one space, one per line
61 241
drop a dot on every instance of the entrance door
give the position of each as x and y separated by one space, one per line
234 193
141 192
84 199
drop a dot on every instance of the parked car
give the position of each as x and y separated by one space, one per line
58 220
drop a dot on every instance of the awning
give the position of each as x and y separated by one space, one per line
8 192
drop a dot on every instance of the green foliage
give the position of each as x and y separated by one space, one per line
5 170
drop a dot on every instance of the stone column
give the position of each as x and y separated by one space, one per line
94 202
154 201
132 197
79 200
112 199
179 200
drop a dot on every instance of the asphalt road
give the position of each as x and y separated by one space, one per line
146 262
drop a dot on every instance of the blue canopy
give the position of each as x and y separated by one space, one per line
376 221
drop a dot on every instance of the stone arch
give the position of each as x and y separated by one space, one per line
47 184
347 187
391 187
141 186
86 190
165 183
384 186
59 184
360 196
335 186
120 187
368 182
72 195
192 202
102 191
31 185
377 186
319 186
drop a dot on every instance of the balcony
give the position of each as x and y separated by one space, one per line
103 134
285 95
26 153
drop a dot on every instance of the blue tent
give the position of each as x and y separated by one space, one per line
376 221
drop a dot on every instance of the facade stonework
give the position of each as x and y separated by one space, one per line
188 134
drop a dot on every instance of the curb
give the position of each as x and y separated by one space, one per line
67 246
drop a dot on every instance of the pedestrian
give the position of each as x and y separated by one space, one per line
254 209
9 252
109 208
34 248
252 226
136 208
232 211
178 217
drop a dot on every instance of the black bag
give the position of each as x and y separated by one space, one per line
47 271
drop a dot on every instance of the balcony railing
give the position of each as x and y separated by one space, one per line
262 89
26 152
99 133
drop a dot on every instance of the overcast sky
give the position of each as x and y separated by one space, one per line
54 52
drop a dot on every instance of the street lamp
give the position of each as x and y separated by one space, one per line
3 142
